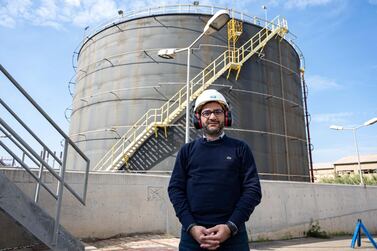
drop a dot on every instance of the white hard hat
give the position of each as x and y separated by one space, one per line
210 95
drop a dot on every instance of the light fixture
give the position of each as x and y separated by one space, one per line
167 53
370 122
216 22
335 127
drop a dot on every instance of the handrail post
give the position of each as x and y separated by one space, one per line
112 156
37 189
180 97
60 194
167 113
191 91
23 158
203 78
123 143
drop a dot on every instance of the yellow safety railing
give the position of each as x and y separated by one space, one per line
127 145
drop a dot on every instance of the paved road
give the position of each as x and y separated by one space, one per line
169 243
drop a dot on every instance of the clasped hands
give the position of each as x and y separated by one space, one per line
210 238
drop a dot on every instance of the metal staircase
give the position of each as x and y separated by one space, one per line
14 203
128 144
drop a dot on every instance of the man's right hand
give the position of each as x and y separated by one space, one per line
198 233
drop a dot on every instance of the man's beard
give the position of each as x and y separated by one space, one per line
213 132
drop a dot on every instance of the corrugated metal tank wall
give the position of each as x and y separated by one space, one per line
120 77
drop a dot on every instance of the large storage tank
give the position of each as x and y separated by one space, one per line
120 77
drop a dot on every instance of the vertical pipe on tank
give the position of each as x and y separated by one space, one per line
304 90
284 115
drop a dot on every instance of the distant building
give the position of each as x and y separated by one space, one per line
323 170
349 165
346 165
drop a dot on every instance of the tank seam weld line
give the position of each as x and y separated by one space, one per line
86 73
119 99
138 51
115 90
115 100
259 93
179 125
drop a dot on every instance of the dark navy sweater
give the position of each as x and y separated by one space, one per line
214 182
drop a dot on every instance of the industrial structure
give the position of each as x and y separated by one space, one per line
347 165
128 104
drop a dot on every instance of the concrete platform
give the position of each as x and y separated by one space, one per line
169 243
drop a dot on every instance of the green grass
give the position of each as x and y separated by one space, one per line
351 179
316 232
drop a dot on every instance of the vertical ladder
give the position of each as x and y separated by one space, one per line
234 32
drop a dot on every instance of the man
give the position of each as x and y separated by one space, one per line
214 186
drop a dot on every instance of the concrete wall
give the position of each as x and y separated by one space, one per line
132 203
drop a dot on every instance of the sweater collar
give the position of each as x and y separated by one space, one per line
219 138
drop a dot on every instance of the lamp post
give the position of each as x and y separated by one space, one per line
214 24
354 129
264 7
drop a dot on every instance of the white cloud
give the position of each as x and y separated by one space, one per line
11 10
319 83
95 11
302 4
75 3
340 117
47 15
17 7
7 21
55 13
141 4
47 10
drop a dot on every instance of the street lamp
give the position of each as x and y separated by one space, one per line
214 24
367 123
264 7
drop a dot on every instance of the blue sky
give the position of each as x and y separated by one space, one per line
337 37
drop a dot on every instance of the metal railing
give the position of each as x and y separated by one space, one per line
124 148
166 9
259 40
27 150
